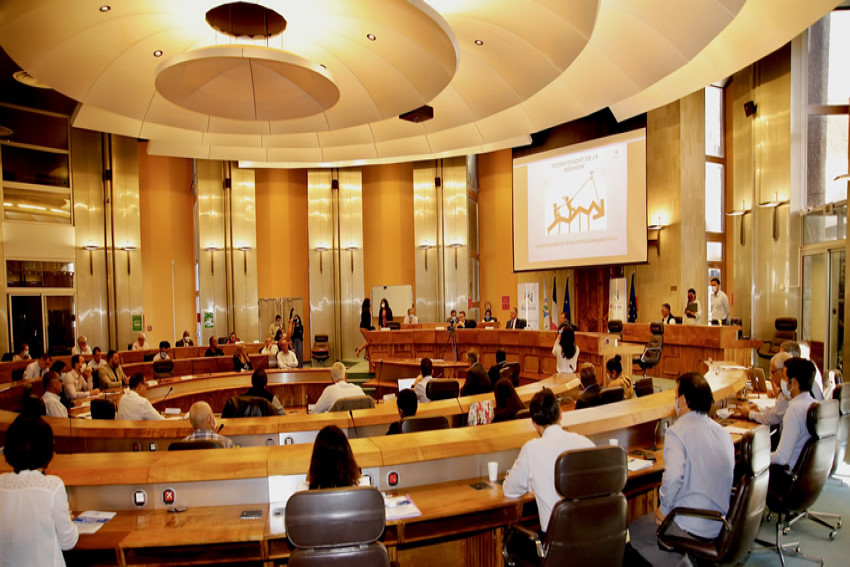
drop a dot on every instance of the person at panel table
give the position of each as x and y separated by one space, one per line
241 362
38 367
514 322
82 346
477 381
772 415
365 325
411 318
204 425
285 357
565 350
338 390
797 386
112 375
407 404
592 394
78 380
332 464
614 371
53 405
186 341
667 317
385 314
488 313
463 322
693 309
452 317
23 353
141 343
214 349
134 405
420 385
269 348
259 389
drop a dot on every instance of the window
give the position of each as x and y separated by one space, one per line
715 173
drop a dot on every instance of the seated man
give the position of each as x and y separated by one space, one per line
203 422
667 317
501 361
338 390
699 461
269 348
407 403
112 375
461 320
797 385
23 353
772 415
285 357
514 322
420 385
214 350
38 368
794 349
477 381
97 362
186 341
592 395
410 318
78 380
82 346
259 383
134 405
53 405
163 351
534 469
141 343
452 317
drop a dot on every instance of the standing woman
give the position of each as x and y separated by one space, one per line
241 362
296 335
566 351
614 370
35 519
385 315
365 325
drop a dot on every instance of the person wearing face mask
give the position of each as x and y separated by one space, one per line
163 351
78 381
296 337
23 353
203 422
774 414
699 461
185 341
721 314
411 318
693 309
97 362
796 385
385 315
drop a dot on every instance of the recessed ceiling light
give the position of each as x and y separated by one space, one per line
478 42
105 8
27 79
371 37
322 66
157 53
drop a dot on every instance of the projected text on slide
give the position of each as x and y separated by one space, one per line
577 205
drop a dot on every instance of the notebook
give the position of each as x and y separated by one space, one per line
405 383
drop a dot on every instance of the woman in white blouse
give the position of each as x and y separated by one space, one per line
35 521
566 350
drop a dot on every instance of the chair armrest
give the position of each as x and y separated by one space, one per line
693 512
532 537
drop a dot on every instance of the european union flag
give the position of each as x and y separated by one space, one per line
632 303
566 308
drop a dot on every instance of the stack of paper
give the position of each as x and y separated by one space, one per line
636 464
400 507
91 520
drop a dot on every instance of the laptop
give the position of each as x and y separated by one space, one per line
405 383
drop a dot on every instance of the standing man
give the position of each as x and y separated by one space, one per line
721 314
276 326
797 385
666 317
340 389
699 460
134 405
693 310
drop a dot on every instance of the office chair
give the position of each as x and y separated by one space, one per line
413 424
248 406
196 444
651 355
393 325
515 370
163 369
792 490
102 409
591 482
17 374
644 387
336 526
785 330
442 389
742 521
615 326
320 351
611 395
353 403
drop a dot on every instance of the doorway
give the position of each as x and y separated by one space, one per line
823 307
44 322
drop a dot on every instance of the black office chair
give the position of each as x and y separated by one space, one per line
651 355
413 424
591 482
321 350
644 387
615 326
353 403
792 491
515 370
163 369
611 395
339 527
393 325
102 409
442 389
18 374
785 330
7 357
248 406
196 444
742 521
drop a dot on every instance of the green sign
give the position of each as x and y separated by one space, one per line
209 320
137 323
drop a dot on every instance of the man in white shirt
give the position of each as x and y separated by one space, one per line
163 351
141 343
774 414
134 405
666 317
794 349
797 385
276 326
285 357
534 469
720 310
420 385
411 318
52 388
78 380
339 390
38 368
269 349
82 346
97 362
693 309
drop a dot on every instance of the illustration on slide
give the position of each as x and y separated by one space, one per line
567 213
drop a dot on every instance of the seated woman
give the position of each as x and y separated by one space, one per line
507 401
241 362
233 339
35 520
332 464
614 370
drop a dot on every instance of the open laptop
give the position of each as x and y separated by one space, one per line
404 383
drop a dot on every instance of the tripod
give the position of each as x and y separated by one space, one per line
450 339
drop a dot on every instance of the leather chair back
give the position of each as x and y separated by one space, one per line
515 370
644 387
320 350
102 409
842 395
611 395
442 389
247 406
196 444
336 526
163 368
652 352
591 483
615 326
412 424
794 490
785 329
353 403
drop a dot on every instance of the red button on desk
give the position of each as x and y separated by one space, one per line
392 478
168 496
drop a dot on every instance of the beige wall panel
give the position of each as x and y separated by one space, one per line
212 265
243 218
322 266
692 248
350 260
425 234
455 251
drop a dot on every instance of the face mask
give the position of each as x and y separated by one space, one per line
163 354
676 406
186 339
784 387
714 288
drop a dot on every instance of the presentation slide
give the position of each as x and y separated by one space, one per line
581 205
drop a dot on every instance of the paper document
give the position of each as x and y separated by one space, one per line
737 430
399 507
636 464
91 520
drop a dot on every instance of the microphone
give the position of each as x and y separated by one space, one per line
354 425
166 394
220 427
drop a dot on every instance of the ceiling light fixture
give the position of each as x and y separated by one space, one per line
371 37
105 8
157 53
478 42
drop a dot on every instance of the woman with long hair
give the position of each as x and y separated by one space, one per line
241 362
566 350
332 464
614 371
507 401
365 324
385 315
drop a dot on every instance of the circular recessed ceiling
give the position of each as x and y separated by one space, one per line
247 83
241 19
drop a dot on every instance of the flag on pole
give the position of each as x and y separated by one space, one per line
632 303
552 324
566 308
546 305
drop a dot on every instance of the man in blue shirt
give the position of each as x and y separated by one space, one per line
797 385
699 460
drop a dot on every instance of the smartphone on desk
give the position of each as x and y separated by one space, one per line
251 514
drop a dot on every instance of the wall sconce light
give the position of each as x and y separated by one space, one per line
456 245
321 250
212 248
129 248
426 246
91 247
653 235
739 213
351 248
245 248
774 204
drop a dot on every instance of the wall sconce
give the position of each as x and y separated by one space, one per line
456 245
91 247
245 248
351 248
655 239
212 248
129 248
426 246
774 204
739 213
321 250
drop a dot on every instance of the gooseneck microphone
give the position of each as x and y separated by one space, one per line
354 425
220 427
166 394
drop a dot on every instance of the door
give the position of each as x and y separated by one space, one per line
837 270
823 307
26 322
60 323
